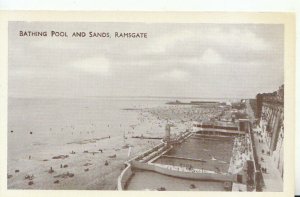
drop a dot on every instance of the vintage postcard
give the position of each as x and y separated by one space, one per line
137 101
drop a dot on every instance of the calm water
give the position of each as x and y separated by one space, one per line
216 153
59 121
39 114
205 148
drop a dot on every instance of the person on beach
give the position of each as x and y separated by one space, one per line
51 170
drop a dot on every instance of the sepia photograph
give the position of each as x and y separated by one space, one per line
148 106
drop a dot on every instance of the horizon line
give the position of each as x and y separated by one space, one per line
169 97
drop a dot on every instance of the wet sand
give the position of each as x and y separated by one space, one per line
87 164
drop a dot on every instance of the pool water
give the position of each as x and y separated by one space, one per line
215 154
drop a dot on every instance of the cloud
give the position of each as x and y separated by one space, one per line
96 65
210 44
174 75
210 56
235 37
162 43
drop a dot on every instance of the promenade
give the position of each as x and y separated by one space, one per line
272 178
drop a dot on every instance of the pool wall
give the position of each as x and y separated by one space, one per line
182 174
124 177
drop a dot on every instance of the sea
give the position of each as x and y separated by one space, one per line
37 123
33 121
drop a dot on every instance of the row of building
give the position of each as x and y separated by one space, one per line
270 116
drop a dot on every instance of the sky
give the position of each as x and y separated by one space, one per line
175 60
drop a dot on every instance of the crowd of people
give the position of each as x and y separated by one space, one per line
240 153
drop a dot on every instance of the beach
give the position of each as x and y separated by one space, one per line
65 143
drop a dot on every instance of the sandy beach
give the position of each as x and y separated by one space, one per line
90 151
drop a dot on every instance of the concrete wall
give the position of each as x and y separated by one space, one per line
124 177
186 175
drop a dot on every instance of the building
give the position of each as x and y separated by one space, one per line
270 107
